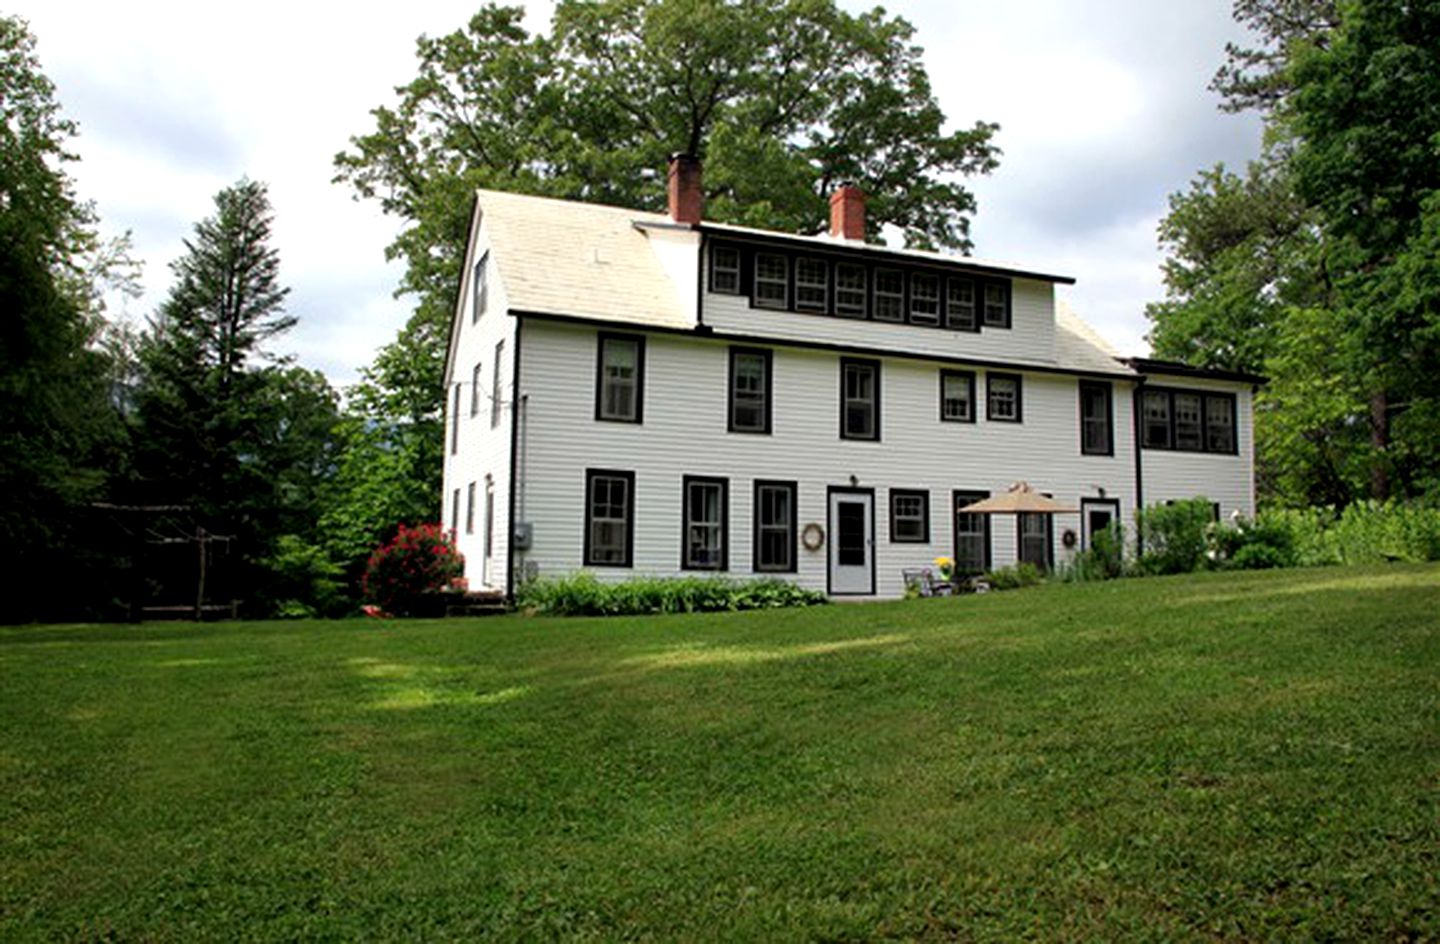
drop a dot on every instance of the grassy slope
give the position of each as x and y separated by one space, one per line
1233 756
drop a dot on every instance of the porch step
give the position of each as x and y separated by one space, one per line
489 603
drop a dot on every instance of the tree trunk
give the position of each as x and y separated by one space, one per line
1380 440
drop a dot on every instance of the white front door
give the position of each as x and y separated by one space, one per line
852 540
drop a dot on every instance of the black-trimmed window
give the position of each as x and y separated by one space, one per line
889 295
1002 398
706 513
812 285
960 304
1034 535
909 516
475 382
1220 423
489 519
1188 420
609 518
859 399
772 280
620 378
750 386
454 513
725 270
972 536
850 290
1155 419
496 389
1186 410
997 304
470 509
957 396
775 524
1097 436
924 299
455 422
481 289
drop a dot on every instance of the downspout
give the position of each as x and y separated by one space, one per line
517 481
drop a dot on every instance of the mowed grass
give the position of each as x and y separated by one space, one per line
1221 756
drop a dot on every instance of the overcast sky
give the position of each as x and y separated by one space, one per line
1103 110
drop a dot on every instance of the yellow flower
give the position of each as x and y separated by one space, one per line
944 562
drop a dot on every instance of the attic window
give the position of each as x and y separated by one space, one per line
772 280
925 299
997 305
889 295
812 285
481 290
960 304
850 290
725 270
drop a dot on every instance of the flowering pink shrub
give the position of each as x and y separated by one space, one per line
416 562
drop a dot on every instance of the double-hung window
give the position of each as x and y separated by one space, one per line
725 270
812 285
455 422
1189 433
481 290
850 290
772 280
1219 423
619 384
475 382
924 299
909 516
889 295
1002 395
997 305
1035 544
705 513
859 399
496 390
470 509
1155 421
957 396
1096 431
972 536
609 517
960 304
775 518
749 390
454 512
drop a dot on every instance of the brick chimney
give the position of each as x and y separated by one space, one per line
847 213
687 199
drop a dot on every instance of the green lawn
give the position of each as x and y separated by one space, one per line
1234 756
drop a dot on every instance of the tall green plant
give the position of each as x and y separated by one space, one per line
1173 537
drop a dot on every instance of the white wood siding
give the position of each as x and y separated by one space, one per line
684 433
483 450
1172 475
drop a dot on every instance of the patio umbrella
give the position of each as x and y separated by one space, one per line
1021 498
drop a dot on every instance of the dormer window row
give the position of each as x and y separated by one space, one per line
784 280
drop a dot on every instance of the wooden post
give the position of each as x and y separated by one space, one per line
200 590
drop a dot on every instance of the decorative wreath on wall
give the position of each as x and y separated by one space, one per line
813 537
1068 538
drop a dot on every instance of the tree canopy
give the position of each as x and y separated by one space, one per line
1320 265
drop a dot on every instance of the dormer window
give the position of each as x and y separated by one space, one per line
772 280
850 290
889 295
997 305
925 299
812 285
725 270
960 304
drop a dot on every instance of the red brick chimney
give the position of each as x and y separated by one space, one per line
847 213
687 199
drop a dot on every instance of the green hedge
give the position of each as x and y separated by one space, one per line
581 594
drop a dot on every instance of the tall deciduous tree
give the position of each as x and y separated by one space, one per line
58 428
1319 265
782 99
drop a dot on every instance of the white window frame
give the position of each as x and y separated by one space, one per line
885 298
925 308
771 281
960 313
731 273
803 285
850 300
999 305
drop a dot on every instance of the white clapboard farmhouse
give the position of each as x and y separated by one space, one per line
635 393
